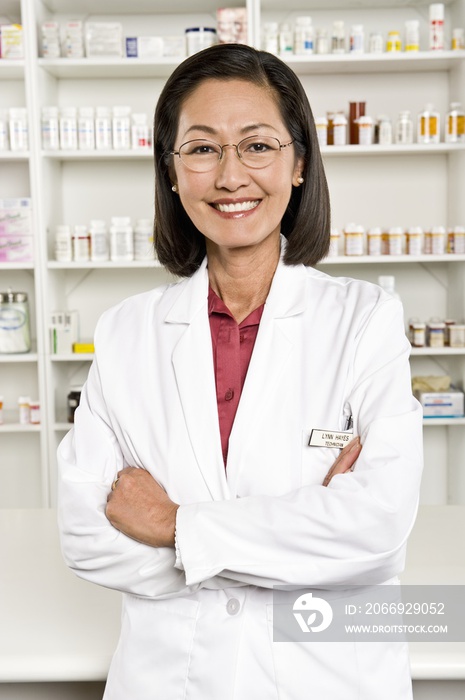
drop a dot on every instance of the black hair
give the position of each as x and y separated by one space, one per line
179 245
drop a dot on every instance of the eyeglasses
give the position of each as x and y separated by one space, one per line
201 155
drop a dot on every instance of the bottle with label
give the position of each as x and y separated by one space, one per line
374 240
68 129
15 331
455 124
384 131
271 37
458 39
322 41
121 128
365 131
412 35
395 236
435 240
18 129
50 129
24 410
339 130
86 129
428 126
334 243
357 39
63 244
414 240
356 110
338 37
98 241
121 239
81 244
353 239
394 42
139 132
436 26
404 129
321 124
375 43
303 36
103 139
286 40
143 240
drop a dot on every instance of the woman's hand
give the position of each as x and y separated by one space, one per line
346 460
139 507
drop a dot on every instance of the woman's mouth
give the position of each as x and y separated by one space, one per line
233 207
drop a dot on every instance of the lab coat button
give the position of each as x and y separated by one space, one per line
233 606
229 395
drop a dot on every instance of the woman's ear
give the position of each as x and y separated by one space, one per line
297 178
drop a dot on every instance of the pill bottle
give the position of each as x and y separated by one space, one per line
24 408
334 243
404 129
4 145
199 38
448 322
338 38
365 131
50 129
303 36
388 283
455 124
121 127
374 241
383 131
34 408
322 41
456 240
143 240
72 401
121 239
286 40
436 26
457 335
330 135
81 244
321 124
139 132
394 42
353 239
434 240
339 130
63 243
86 129
414 237
103 139
375 43
18 129
436 334
458 39
1 410
271 37
357 39
98 241
356 110
428 126
418 334
68 129
412 35
15 330
395 236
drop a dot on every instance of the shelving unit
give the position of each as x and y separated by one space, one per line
374 185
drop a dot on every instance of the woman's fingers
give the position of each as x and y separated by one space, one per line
345 460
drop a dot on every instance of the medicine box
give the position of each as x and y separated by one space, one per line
16 248
442 404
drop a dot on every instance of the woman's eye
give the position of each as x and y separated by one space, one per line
258 147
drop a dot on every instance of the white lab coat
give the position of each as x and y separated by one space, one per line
199 626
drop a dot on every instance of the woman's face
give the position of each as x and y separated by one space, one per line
227 111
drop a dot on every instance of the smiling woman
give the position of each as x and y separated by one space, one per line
194 483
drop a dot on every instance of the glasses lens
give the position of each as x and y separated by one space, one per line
258 151
200 155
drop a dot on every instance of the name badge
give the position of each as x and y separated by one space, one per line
329 438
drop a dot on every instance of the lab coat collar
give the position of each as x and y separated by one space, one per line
287 295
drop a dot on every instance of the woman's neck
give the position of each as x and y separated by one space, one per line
242 276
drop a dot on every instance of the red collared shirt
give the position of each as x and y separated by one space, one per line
232 349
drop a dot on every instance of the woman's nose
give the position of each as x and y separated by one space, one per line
231 172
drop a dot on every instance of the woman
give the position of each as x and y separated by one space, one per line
204 416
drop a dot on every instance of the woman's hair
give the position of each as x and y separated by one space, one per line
306 222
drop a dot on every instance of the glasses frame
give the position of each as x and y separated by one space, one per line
229 145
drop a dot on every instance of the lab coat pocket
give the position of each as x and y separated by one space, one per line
316 461
153 655
314 669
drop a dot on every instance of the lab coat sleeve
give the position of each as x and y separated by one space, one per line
353 531
89 458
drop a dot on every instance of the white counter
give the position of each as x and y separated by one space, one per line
56 627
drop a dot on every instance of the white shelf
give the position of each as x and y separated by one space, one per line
73 357
122 7
13 155
391 259
62 426
99 155
393 150
128 265
435 422
376 63
11 70
18 357
19 428
425 352
16 266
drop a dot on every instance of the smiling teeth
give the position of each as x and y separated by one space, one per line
240 206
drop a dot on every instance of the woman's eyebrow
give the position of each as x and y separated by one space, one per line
213 132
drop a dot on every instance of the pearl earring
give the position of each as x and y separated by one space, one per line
174 188
300 179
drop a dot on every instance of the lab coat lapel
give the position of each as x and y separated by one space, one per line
193 366
274 343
